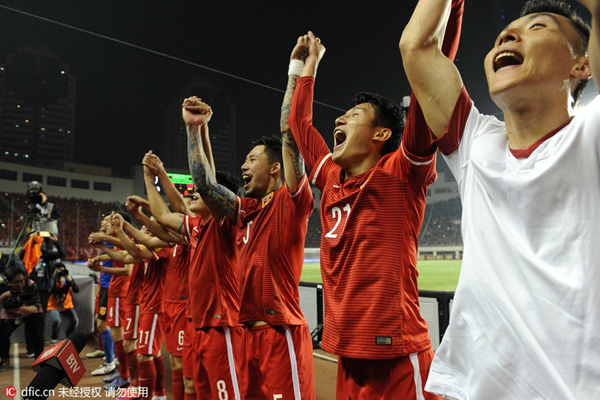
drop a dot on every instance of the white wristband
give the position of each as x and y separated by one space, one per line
296 67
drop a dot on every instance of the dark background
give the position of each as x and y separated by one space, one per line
122 90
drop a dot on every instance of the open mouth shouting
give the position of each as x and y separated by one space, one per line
506 59
247 179
339 137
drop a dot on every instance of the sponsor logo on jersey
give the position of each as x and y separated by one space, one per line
383 340
267 199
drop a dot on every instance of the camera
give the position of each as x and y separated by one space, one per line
12 302
63 272
34 190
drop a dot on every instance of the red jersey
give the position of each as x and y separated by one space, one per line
151 293
119 284
272 254
176 280
369 242
213 272
135 282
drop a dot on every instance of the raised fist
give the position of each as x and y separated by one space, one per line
195 112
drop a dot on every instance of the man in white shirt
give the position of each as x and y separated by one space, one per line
525 321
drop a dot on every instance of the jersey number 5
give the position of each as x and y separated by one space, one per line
337 213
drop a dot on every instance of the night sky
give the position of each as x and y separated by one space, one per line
122 91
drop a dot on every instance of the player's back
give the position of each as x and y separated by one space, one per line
151 293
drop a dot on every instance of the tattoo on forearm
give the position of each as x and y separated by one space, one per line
212 193
289 144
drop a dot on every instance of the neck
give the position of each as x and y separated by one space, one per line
204 214
528 121
273 186
363 166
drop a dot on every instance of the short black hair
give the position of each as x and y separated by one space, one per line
228 180
13 271
583 29
387 114
272 148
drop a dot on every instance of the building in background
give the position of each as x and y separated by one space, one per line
37 108
222 127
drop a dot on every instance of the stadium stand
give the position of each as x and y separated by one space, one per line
78 217
441 226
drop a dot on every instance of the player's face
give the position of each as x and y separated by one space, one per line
197 204
352 135
533 51
256 172
105 225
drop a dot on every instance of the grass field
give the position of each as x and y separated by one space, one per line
433 274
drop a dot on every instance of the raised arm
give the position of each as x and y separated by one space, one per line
293 163
99 237
117 225
311 144
220 200
120 256
434 79
160 211
143 238
134 208
155 165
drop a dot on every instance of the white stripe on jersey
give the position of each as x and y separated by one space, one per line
294 362
154 321
319 167
236 389
299 188
414 359
413 161
117 311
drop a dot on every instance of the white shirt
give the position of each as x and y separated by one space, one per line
525 321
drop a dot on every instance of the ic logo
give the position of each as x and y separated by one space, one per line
10 392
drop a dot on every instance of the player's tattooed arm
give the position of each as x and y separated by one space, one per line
292 159
219 199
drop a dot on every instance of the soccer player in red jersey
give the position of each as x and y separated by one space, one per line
117 290
151 322
277 346
372 208
214 306
176 297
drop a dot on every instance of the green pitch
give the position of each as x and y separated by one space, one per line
433 274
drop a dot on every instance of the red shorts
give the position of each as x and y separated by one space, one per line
175 314
151 334
277 363
116 311
189 355
132 320
216 365
396 378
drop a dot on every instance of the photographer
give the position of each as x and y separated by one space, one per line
43 214
61 302
48 212
44 258
20 303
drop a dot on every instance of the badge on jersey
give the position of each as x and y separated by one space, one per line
267 199
383 340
